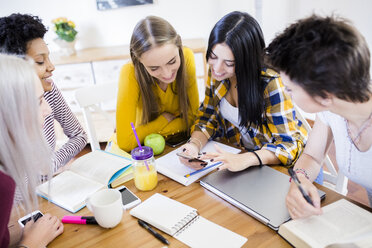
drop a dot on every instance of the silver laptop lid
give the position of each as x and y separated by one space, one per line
258 191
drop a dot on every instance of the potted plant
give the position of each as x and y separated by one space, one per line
65 30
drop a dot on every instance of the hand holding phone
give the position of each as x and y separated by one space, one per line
34 215
192 159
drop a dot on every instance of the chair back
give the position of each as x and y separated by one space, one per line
90 99
333 179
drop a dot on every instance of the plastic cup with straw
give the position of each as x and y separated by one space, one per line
139 143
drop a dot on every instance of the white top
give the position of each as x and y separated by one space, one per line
360 166
231 113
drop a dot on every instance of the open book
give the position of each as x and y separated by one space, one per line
169 165
342 224
185 224
88 174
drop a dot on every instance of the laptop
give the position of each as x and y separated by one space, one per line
258 191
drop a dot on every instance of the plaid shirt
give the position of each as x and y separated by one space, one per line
280 133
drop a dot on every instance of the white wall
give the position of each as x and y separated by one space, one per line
191 18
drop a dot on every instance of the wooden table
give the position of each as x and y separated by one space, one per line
129 234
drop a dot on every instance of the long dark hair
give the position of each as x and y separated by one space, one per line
242 33
148 33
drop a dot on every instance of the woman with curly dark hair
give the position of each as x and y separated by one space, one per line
23 34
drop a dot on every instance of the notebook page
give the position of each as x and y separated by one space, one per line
204 233
163 213
170 165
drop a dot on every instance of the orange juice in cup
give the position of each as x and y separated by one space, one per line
144 169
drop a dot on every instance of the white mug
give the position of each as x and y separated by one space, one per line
107 207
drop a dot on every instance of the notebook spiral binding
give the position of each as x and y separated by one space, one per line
186 222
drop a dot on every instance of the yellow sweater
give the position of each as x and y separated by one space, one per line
129 106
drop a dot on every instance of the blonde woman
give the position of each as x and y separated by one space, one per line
157 90
23 152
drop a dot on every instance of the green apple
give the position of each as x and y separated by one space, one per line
156 142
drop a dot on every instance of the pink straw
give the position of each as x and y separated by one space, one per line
139 143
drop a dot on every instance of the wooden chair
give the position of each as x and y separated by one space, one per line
90 98
333 179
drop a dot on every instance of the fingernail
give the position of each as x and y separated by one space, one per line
203 164
190 160
198 156
204 152
212 160
218 168
184 149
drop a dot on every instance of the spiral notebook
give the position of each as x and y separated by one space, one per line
185 224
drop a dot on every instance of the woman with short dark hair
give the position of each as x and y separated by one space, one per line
325 62
245 102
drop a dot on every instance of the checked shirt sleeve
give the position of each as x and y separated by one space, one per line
288 133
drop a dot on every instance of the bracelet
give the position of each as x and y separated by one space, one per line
258 157
302 171
191 141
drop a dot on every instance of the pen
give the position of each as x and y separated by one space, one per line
153 232
79 220
205 168
298 183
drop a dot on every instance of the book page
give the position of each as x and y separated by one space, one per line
204 233
69 190
341 220
99 166
170 165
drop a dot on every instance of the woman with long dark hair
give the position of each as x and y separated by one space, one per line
245 102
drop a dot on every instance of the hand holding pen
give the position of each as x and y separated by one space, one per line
302 199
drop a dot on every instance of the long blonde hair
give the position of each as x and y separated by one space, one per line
23 150
150 32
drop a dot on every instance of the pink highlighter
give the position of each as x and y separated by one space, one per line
79 220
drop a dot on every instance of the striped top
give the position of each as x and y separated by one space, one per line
281 133
62 113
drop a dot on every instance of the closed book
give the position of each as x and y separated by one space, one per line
123 178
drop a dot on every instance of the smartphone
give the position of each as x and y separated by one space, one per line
177 139
129 199
190 158
34 215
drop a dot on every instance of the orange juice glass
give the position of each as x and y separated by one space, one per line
144 168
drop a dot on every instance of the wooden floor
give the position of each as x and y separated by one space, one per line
355 191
